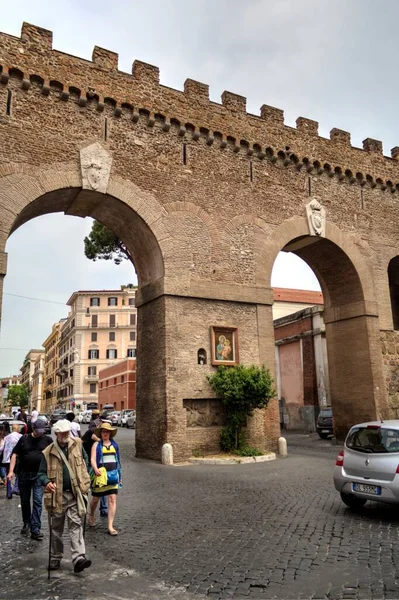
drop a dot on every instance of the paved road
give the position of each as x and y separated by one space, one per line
270 530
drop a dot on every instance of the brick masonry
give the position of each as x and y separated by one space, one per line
204 195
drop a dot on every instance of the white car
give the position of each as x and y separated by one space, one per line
86 418
113 417
79 417
124 416
131 420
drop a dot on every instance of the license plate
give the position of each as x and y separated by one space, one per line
367 489
325 431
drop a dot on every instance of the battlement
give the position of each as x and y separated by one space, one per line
31 59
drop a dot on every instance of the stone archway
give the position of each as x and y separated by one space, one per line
131 217
350 316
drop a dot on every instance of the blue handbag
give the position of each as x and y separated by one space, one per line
112 477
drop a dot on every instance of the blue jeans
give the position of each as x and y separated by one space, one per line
103 505
29 485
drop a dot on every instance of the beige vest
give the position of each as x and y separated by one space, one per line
54 469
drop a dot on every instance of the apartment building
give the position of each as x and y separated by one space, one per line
117 385
50 381
99 331
27 371
36 395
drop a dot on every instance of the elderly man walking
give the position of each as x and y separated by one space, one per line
63 473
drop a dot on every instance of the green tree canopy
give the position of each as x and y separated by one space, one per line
102 244
242 390
17 395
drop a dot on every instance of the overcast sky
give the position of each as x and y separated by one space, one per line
334 61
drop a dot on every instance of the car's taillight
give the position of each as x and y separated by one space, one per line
397 469
340 459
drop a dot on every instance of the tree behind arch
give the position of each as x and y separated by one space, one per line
103 244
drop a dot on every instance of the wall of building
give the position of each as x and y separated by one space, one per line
117 385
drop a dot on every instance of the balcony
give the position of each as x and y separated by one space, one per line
108 326
91 379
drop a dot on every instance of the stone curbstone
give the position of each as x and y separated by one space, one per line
240 460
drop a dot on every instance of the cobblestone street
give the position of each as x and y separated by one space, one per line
269 530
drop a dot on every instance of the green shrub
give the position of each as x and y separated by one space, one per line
245 450
242 390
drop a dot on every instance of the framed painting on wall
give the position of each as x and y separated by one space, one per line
224 345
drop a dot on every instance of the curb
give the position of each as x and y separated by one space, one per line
240 460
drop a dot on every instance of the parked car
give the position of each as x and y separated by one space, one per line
124 415
368 466
11 421
79 417
57 415
113 417
86 417
324 426
44 417
131 420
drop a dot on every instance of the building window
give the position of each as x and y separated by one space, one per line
133 319
94 320
70 372
94 337
101 385
93 388
92 371
131 352
112 321
94 301
93 354
112 301
132 302
115 380
112 336
122 379
112 353
132 336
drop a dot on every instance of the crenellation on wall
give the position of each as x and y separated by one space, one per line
307 126
145 73
339 136
105 59
36 37
272 114
144 91
234 102
370 145
195 90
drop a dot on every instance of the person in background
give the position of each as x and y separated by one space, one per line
10 441
89 438
28 450
3 472
75 427
34 415
22 416
64 502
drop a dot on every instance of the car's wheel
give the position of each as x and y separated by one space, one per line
353 501
323 436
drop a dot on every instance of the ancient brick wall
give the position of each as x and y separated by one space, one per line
205 195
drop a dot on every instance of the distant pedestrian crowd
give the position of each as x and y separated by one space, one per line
60 474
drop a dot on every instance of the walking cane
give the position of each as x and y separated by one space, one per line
52 480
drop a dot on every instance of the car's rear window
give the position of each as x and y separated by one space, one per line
325 413
373 440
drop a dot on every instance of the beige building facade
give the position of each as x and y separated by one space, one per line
50 380
28 370
99 331
36 396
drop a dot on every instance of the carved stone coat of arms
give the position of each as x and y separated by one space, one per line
95 163
316 216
